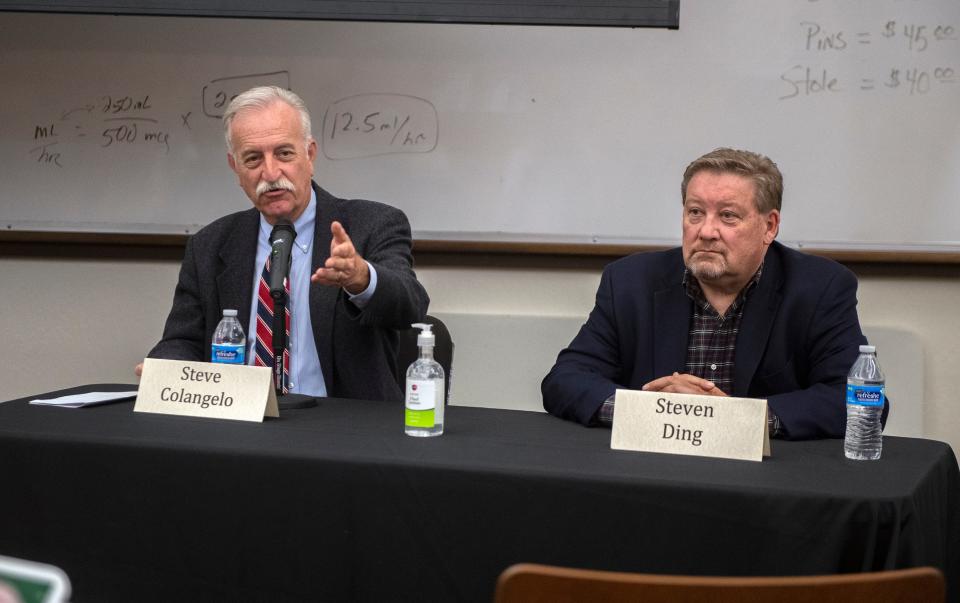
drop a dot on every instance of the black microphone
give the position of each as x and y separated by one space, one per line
281 241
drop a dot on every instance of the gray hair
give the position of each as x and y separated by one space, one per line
261 98
766 177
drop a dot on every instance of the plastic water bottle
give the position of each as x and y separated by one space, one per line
865 398
425 389
229 342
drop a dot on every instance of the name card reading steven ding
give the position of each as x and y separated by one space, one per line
203 389
720 427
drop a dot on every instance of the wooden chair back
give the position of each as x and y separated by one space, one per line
530 583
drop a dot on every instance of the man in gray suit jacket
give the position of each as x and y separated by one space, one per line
359 288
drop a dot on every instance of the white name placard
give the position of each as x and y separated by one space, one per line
203 389
713 426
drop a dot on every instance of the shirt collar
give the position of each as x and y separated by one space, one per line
695 291
304 225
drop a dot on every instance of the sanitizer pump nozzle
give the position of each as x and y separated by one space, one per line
426 336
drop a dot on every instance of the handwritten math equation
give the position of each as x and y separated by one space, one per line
895 56
136 125
367 125
106 122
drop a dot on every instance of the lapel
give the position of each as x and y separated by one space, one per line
671 325
237 256
758 316
323 300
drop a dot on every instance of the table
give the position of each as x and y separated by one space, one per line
335 503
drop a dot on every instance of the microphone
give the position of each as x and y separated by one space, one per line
281 242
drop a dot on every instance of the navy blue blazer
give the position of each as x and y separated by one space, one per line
797 341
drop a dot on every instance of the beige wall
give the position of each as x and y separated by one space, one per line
73 321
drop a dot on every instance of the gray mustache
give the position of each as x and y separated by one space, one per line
280 184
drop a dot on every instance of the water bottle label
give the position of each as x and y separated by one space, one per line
228 354
865 395
421 401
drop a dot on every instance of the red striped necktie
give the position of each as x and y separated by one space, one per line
263 349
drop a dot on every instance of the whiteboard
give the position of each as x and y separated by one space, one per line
500 133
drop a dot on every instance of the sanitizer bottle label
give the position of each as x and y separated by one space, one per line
421 403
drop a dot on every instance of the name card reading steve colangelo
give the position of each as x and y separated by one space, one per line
713 426
203 389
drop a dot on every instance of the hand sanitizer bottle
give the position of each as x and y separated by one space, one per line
425 389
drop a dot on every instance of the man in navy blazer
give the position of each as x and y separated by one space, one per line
731 312
349 293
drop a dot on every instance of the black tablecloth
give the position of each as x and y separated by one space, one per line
335 503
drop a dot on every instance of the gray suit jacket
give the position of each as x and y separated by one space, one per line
357 348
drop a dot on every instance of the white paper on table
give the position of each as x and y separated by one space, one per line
87 399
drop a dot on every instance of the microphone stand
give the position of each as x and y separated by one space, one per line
281 240
284 401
